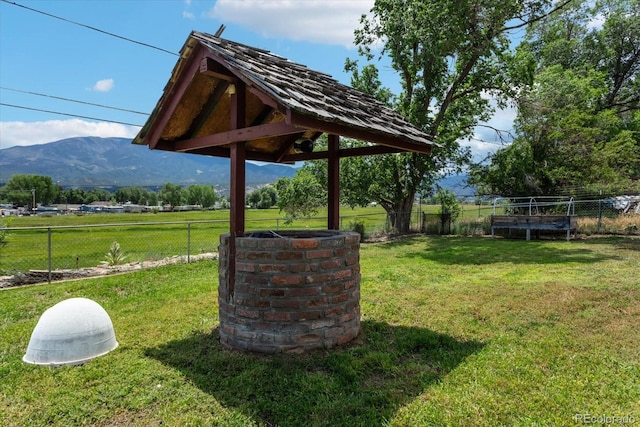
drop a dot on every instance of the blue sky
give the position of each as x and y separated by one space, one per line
42 54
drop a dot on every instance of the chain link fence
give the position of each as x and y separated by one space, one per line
75 247
41 251
595 216
49 249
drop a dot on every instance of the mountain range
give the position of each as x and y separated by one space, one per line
115 162
87 162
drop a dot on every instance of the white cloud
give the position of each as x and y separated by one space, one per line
481 148
103 85
188 15
30 133
321 21
597 22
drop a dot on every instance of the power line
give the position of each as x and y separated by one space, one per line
68 114
502 144
73 100
89 27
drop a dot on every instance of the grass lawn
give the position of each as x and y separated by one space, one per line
83 240
455 331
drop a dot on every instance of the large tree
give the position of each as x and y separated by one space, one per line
25 190
203 195
135 195
452 58
578 125
73 196
263 198
99 195
171 194
300 196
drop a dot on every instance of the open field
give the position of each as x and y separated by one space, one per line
455 331
82 241
252 216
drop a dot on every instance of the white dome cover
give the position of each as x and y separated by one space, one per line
71 332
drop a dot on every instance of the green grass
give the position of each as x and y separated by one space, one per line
141 236
455 331
88 246
252 215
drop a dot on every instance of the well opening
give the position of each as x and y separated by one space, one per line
293 291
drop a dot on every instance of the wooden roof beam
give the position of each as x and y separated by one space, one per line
207 109
347 152
262 116
297 119
213 68
241 134
223 151
266 99
178 90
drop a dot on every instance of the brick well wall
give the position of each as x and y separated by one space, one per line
291 294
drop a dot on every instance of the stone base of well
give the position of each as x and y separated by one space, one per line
293 291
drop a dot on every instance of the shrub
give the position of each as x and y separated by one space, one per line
472 227
115 256
357 225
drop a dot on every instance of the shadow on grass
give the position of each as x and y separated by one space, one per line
626 243
363 383
484 250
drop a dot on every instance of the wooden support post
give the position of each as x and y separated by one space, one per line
237 193
333 185
238 177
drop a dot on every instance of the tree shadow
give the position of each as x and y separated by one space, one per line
623 242
483 251
362 383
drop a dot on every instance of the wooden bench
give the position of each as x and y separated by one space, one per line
535 222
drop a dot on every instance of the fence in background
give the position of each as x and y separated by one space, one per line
47 249
594 216
73 247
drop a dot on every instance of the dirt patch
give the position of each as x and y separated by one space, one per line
34 277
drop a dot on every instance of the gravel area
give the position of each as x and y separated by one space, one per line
34 277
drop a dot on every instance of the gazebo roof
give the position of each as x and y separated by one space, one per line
284 102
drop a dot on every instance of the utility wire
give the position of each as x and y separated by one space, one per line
89 27
67 114
73 100
490 142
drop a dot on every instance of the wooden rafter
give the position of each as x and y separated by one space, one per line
237 135
191 68
212 68
300 120
213 100
345 152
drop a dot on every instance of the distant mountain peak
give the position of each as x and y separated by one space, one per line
115 162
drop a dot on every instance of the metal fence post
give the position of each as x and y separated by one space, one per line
188 242
599 214
49 253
